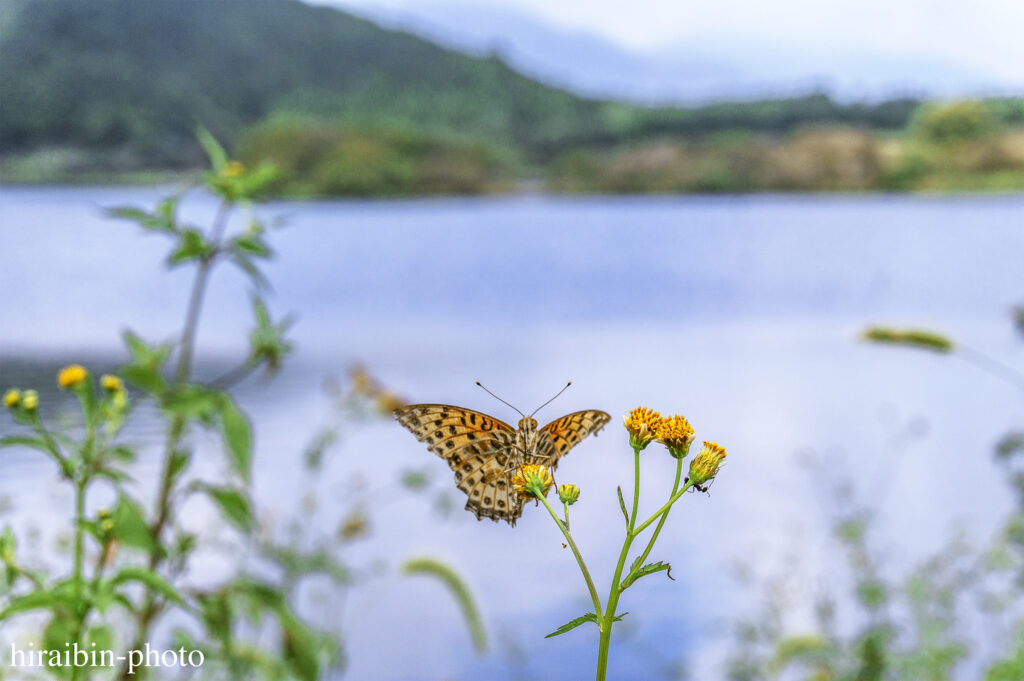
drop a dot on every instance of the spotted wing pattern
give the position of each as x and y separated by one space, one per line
477 448
558 437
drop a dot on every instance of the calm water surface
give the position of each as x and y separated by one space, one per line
741 313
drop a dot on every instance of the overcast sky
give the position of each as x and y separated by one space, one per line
978 40
988 29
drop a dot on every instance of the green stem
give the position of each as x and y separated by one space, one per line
661 523
81 609
664 509
579 557
177 428
606 622
565 506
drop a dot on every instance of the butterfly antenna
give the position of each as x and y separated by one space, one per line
552 399
499 399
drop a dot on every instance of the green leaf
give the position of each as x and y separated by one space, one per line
130 526
193 403
19 441
214 151
246 265
191 246
457 587
237 436
300 647
150 579
915 338
622 505
36 600
233 504
177 465
649 569
144 371
162 220
572 624
252 245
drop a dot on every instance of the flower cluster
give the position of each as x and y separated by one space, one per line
74 377
675 432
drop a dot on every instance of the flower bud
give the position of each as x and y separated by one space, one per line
568 494
71 376
705 465
12 398
111 383
29 400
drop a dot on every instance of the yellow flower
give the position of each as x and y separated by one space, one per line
112 383
676 434
705 465
533 481
233 169
30 400
568 494
11 398
71 376
641 424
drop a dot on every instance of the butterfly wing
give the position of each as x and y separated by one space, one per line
476 447
561 435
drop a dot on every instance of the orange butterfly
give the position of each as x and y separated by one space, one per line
486 452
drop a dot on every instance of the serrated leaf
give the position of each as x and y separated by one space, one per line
649 569
572 624
148 578
622 505
237 436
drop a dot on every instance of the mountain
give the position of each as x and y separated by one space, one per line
139 76
119 85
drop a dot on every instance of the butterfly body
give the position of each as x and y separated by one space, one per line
485 452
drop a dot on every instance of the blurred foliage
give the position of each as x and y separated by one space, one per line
325 159
269 74
135 573
958 614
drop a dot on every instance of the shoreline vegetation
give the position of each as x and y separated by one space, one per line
948 148
345 108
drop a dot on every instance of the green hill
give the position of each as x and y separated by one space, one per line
94 89
139 76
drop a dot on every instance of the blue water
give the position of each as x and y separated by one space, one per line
741 313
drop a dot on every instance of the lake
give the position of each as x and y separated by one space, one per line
740 312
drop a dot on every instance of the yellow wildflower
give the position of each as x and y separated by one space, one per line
676 434
533 481
233 169
705 465
568 494
30 400
112 383
641 424
71 376
11 398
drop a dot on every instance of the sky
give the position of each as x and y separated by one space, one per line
940 45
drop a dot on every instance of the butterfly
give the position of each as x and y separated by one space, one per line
485 452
